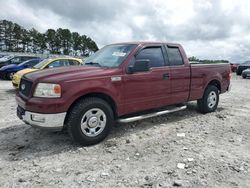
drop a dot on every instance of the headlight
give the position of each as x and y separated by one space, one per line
47 90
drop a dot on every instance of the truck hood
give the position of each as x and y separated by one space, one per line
70 73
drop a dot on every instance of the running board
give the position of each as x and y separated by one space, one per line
137 118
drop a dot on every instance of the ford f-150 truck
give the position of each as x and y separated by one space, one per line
121 82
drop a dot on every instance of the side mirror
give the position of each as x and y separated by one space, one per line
139 66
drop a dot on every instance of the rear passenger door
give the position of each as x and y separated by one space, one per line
150 89
179 75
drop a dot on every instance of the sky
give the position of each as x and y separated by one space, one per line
207 29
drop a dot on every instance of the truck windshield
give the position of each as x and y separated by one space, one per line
110 56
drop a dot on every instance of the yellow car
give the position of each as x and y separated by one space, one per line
46 63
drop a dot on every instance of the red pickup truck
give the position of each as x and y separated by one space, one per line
121 82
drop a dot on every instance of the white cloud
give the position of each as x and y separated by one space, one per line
206 28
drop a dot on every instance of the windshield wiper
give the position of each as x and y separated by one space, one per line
93 63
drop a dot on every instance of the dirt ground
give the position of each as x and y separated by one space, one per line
213 152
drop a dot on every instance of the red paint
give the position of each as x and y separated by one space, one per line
233 67
135 92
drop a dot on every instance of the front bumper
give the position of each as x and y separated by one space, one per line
45 121
15 83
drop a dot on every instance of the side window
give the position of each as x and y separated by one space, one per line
33 63
73 62
24 58
66 62
57 63
174 56
153 54
16 60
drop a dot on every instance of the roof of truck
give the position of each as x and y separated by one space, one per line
148 42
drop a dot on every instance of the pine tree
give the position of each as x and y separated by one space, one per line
14 38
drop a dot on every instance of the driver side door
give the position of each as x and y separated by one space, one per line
149 89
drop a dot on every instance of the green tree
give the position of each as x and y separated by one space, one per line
50 38
14 37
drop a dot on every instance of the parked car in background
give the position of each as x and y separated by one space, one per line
117 83
242 67
6 58
45 64
7 72
14 60
2 55
245 73
233 67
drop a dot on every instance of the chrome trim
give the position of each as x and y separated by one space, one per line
137 118
51 121
93 122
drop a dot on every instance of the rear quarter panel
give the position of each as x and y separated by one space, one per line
203 74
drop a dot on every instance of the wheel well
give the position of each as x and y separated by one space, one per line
215 83
103 96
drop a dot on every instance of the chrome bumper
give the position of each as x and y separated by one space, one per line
45 121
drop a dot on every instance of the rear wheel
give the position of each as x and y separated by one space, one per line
210 100
89 121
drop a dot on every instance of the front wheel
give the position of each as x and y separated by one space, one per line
210 100
89 121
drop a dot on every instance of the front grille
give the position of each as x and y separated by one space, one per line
25 87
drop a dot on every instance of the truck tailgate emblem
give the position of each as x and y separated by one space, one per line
116 78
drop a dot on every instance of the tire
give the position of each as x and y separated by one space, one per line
210 100
4 77
85 126
10 75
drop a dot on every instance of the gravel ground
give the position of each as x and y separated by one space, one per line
214 150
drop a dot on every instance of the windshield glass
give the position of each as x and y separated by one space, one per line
110 56
41 64
23 63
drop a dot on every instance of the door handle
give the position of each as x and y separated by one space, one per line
166 76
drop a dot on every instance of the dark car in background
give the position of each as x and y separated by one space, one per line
7 60
245 73
7 72
242 67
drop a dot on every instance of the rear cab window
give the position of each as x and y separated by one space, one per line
174 56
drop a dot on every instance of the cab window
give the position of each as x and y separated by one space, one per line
174 56
153 54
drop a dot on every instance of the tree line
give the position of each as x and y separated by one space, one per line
15 38
206 61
